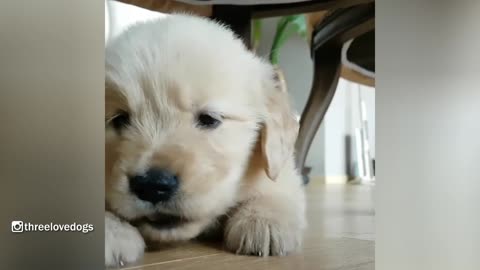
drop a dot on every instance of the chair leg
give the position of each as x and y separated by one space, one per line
327 64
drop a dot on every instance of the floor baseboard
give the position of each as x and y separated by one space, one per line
333 179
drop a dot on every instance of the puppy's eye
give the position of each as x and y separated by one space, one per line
121 121
208 120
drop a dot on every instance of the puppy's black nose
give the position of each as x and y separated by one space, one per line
154 186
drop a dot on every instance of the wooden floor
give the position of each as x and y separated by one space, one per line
340 237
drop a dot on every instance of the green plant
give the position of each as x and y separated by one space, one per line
286 27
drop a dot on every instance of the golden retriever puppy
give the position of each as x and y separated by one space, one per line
199 138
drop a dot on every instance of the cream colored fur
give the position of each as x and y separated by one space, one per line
163 73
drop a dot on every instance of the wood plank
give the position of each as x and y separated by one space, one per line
340 236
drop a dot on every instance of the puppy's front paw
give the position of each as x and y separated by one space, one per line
123 242
263 232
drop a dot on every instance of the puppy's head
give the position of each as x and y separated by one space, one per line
186 103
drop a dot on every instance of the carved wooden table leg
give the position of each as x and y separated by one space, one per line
327 64
327 42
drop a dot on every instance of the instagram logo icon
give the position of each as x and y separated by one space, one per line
17 226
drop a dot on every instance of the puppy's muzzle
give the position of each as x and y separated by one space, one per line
156 185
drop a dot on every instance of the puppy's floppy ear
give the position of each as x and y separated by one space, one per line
280 127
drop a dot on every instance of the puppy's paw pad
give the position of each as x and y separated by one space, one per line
123 243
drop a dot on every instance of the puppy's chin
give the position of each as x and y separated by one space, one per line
161 221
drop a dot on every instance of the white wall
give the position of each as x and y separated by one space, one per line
122 15
427 195
340 122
